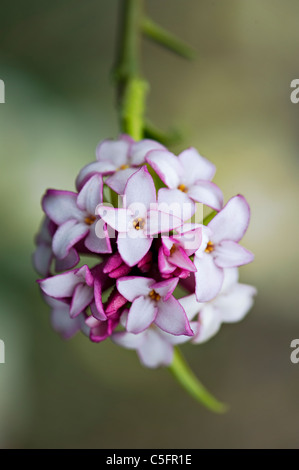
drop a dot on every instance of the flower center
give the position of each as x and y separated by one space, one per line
89 220
154 295
172 249
123 167
138 223
183 188
210 247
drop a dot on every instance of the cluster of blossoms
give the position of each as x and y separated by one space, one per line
154 279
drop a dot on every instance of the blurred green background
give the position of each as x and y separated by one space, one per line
234 104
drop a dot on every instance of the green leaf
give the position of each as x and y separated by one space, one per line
184 375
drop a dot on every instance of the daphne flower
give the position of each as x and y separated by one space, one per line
231 305
153 302
220 248
61 320
121 158
140 218
77 285
189 174
75 216
176 250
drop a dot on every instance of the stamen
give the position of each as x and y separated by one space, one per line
172 249
138 223
123 167
89 220
183 188
210 247
154 295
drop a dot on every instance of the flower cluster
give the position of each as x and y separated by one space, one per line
155 277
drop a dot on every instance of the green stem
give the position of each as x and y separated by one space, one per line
191 384
166 39
130 86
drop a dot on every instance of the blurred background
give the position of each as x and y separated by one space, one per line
233 103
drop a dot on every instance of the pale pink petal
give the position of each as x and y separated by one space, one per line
128 340
114 151
164 266
228 254
236 303
209 324
132 250
172 318
141 315
174 340
154 350
190 305
209 277
97 309
91 194
141 148
61 206
176 202
167 166
82 297
68 262
207 193
102 168
189 240
85 275
119 219
132 287
140 188
231 223
231 277
61 285
67 235
161 222
180 259
97 244
195 166
165 288
62 323
119 179
42 258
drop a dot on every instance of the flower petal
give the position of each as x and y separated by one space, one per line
161 222
140 188
119 179
172 318
68 262
42 258
209 324
61 285
132 250
232 221
195 166
82 297
165 288
95 243
61 206
229 254
236 303
155 350
114 151
141 315
176 202
127 340
132 287
119 219
102 168
91 194
67 235
141 148
62 323
180 259
209 278
207 193
190 305
167 166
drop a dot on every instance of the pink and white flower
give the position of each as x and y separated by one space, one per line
74 214
119 158
187 176
140 218
220 248
153 302
231 305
